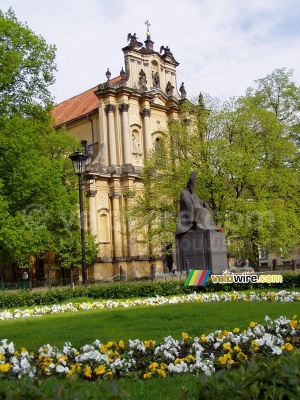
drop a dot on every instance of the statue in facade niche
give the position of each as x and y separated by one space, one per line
194 213
142 79
136 147
169 89
155 79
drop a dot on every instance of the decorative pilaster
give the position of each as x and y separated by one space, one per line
92 223
125 133
146 113
110 108
116 224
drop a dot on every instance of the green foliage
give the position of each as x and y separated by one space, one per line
129 290
27 68
246 158
38 188
276 378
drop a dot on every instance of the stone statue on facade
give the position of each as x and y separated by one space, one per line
169 88
194 213
142 80
155 79
182 91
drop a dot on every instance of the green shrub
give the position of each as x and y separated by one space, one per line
127 290
275 378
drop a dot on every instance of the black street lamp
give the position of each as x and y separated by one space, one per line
79 163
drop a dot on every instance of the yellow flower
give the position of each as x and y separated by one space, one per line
222 360
153 365
87 371
237 348
100 370
253 324
293 323
190 358
74 368
287 346
5 367
162 373
295 317
103 349
147 375
227 346
225 333
185 335
110 344
149 343
177 361
71 372
121 344
2 357
203 339
164 366
236 330
242 357
108 374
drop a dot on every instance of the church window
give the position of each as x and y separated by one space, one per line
158 148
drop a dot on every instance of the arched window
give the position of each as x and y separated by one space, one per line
158 149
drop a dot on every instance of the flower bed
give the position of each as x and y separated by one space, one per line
146 359
282 296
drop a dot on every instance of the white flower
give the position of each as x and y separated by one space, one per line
61 369
276 350
178 368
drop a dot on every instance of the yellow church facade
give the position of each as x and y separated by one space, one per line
119 122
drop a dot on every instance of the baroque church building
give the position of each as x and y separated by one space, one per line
118 122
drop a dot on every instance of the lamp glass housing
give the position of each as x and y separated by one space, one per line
79 162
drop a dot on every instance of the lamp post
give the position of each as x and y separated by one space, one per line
79 163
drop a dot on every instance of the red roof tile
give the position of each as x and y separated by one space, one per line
77 106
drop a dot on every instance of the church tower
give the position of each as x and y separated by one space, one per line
119 121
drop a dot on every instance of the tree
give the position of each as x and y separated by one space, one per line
257 161
26 70
247 164
278 94
38 188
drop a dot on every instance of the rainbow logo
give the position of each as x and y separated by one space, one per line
197 277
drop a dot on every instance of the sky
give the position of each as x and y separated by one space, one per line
222 46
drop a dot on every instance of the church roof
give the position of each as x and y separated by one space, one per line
77 106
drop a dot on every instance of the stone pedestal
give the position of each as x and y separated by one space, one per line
202 249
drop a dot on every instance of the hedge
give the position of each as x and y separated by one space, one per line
126 290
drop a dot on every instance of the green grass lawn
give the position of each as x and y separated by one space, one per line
143 323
